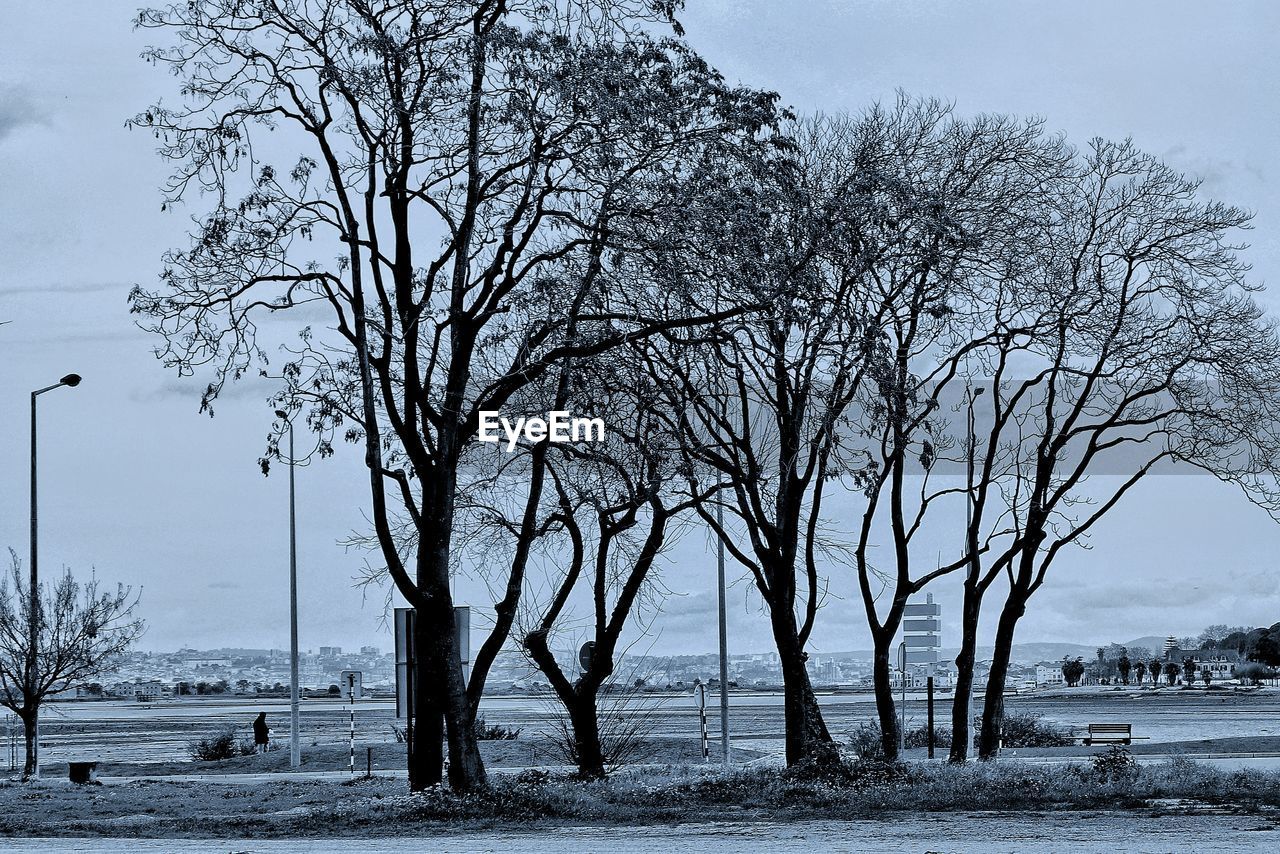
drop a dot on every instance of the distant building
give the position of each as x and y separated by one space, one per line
143 691
1170 643
1221 663
370 650
330 651
1049 674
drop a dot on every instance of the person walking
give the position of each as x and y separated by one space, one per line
261 735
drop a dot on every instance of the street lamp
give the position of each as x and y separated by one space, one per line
971 571
33 619
295 746
724 641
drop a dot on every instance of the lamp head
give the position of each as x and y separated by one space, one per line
280 413
71 380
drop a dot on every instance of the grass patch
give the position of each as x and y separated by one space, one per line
858 789
1111 781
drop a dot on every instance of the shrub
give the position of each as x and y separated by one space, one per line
1254 673
211 748
826 765
1029 730
866 744
865 741
626 716
1115 766
495 732
918 736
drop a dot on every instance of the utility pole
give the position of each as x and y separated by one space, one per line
33 616
724 642
971 571
295 742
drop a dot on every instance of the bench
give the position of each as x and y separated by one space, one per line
1109 734
83 772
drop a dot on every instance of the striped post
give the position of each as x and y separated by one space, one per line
701 693
352 708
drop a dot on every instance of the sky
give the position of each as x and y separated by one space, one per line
139 487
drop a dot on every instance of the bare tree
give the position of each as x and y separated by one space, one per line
759 404
82 632
618 504
1139 347
457 183
890 235
949 205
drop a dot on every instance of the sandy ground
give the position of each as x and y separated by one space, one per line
131 732
973 832
389 756
1211 725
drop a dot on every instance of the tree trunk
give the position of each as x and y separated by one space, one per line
881 670
30 734
426 742
584 718
441 708
993 707
806 732
961 713
445 691
466 768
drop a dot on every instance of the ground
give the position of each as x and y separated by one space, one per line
979 833
1033 800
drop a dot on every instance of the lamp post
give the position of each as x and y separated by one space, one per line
33 619
724 643
295 745
971 571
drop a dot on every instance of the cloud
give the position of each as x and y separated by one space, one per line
67 288
1217 174
17 110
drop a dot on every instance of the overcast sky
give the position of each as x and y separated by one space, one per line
135 483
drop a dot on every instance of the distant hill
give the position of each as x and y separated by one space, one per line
1033 653
1151 642
1022 653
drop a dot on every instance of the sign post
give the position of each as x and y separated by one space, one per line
921 640
930 717
407 665
354 683
700 697
406 660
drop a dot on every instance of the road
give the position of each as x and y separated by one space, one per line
1079 833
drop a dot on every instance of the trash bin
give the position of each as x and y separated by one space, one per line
83 772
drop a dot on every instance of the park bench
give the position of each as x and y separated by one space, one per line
1109 734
